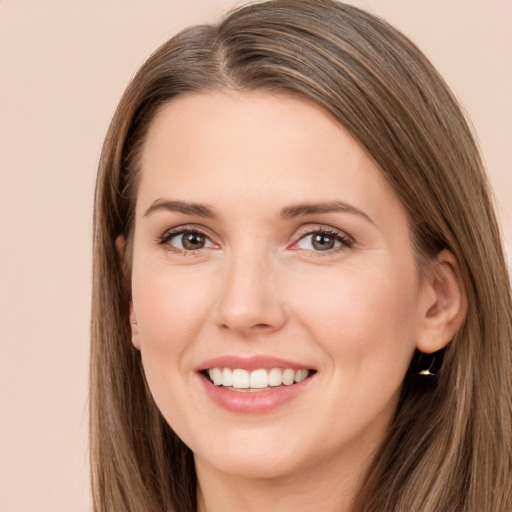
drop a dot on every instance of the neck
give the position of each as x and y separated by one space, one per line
329 488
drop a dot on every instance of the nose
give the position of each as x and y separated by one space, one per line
250 301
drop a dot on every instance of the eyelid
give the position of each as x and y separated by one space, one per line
185 228
346 241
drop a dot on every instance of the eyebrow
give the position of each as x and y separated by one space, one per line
200 210
288 212
303 209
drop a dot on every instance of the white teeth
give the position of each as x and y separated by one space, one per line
257 379
288 377
240 379
227 377
275 377
216 376
300 375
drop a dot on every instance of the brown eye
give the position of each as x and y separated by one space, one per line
324 241
186 240
321 242
193 241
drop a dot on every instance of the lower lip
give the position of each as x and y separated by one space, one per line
253 402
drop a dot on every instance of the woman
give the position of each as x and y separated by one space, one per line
300 298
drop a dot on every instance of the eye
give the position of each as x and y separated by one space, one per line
186 240
323 241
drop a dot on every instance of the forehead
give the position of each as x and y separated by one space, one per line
213 146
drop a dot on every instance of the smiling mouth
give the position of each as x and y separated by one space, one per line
238 379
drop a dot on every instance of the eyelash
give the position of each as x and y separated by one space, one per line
345 241
169 235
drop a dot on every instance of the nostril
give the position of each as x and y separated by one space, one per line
261 326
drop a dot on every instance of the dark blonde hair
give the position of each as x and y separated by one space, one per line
450 445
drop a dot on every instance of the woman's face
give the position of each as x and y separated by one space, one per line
268 247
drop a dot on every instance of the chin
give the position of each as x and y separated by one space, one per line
254 462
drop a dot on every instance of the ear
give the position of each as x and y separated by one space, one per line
444 306
135 327
121 246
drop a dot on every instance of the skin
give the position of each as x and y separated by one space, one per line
354 313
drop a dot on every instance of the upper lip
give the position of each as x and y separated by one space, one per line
249 363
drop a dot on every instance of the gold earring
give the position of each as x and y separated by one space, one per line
427 371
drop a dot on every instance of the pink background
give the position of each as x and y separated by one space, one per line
63 68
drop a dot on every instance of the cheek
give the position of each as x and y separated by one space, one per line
170 309
363 319
169 305
366 327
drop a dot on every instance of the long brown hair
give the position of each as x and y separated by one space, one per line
450 446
